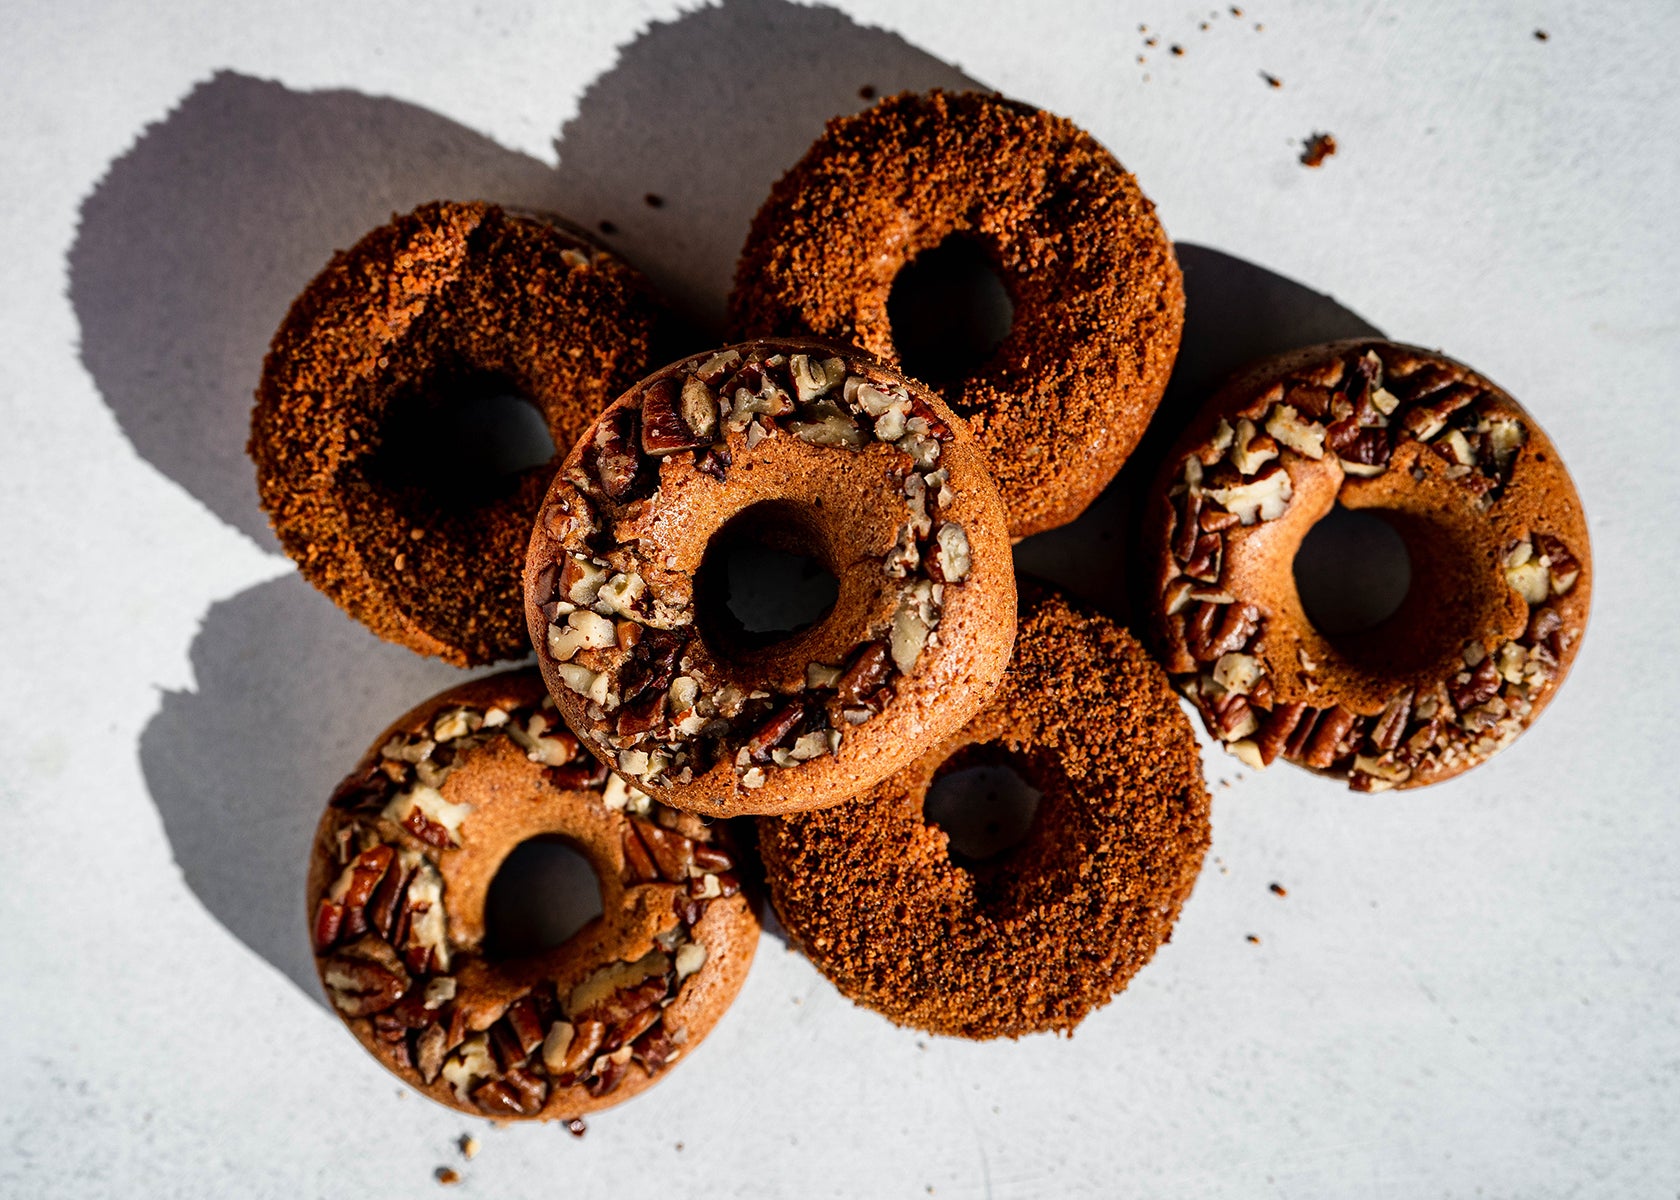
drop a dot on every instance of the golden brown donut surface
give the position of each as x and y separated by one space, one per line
1034 939
443 302
1098 298
818 450
1501 569
404 858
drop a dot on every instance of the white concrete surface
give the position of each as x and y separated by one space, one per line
1473 991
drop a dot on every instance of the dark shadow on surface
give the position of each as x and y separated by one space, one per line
192 246
289 693
198 237
195 242
1235 312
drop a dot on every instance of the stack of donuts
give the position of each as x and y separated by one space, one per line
699 769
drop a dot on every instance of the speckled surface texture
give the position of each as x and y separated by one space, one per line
1468 990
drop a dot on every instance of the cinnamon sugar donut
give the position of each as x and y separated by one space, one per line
402 863
1501 568
450 296
1098 299
816 450
1034 939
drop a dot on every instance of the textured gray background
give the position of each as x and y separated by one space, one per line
1469 991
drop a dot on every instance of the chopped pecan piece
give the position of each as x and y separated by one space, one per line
633 1028
586 1040
1391 725
638 863
715 462
671 851
329 920
781 724
1325 745
617 462
664 429
609 1073
430 1046
1482 684
868 670
1275 730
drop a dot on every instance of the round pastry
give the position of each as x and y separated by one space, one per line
808 449
404 858
1501 574
1037 937
1098 299
448 302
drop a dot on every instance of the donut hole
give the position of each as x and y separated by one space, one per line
949 311
463 439
764 579
1352 572
983 802
543 893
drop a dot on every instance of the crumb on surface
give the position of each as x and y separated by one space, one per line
866 92
576 1127
654 200
1178 51
1317 148
469 1146
1277 889
1272 81
447 1176
607 227
1253 940
1540 35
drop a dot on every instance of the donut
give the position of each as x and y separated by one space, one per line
449 298
1098 299
811 449
404 857
1501 569
1035 938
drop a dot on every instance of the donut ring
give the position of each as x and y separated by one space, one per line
403 860
1036 939
1099 302
833 455
1501 568
448 292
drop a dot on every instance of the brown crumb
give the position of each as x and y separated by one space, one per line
469 1146
1317 148
1235 11
1540 35
576 1127
1258 28
679 1145
1253 940
1178 51
448 1175
1203 25
1150 41
866 92
1142 59
1272 81
607 227
654 200
1278 889
1143 29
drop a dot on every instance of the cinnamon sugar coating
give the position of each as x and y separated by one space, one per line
1098 298
450 297
1036 939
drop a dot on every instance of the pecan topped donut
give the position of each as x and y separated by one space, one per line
403 860
1097 294
813 449
1501 571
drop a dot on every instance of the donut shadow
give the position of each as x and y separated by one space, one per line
192 246
1235 312
289 693
195 241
